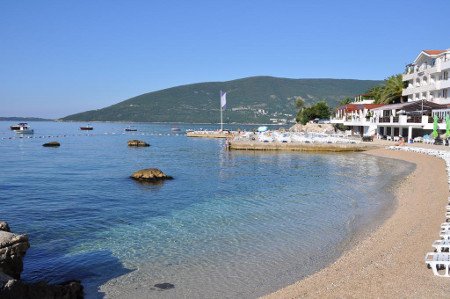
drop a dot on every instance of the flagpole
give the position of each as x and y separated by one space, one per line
221 116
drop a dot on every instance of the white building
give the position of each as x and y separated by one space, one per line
427 92
357 116
427 78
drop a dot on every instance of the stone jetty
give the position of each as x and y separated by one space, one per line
300 147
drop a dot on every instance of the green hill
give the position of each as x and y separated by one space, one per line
249 100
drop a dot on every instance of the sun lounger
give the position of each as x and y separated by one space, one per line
438 261
445 235
441 245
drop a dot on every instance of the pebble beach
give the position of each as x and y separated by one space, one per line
390 261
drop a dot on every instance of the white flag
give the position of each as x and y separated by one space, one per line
223 100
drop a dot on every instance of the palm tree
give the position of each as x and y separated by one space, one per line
376 93
393 89
388 93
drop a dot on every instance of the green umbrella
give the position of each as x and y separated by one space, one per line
435 127
447 126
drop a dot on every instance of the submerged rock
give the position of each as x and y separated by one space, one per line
164 286
138 143
13 248
150 175
52 144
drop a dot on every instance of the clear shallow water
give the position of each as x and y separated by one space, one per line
231 224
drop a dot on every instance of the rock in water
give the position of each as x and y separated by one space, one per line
138 143
4 226
15 289
150 175
52 144
12 250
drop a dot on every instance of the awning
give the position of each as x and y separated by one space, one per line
411 106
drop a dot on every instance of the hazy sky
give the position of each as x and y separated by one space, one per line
62 57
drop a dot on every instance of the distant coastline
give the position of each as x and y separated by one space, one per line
23 119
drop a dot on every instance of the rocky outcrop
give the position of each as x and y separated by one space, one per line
16 289
138 143
150 175
313 128
13 248
52 144
4 226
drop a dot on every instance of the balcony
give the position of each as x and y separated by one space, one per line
445 65
414 119
422 88
386 119
443 84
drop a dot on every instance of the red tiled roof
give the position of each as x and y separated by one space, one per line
434 52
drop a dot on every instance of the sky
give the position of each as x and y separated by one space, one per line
62 57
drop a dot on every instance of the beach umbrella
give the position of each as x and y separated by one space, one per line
447 126
435 127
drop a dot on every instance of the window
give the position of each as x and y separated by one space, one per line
444 93
445 75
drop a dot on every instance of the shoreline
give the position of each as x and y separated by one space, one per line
389 261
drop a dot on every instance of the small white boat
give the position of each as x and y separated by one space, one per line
24 129
17 127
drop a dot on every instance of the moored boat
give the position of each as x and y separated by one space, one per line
87 128
130 129
17 127
24 128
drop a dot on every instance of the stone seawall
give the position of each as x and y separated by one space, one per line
302 147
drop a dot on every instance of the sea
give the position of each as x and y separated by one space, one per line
231 224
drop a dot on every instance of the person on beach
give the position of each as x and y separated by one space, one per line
401 142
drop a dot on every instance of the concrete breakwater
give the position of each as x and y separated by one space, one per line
211 134
305 147
13 248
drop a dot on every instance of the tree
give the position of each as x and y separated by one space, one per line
388 93
300 103
393 88
345 101
318 110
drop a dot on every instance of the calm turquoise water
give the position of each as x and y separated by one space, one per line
231 224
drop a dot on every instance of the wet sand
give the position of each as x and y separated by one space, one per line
390 261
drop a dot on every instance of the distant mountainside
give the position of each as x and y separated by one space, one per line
249 100
22 119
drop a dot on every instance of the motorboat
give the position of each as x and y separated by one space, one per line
176 129
24 128
87 128
17 127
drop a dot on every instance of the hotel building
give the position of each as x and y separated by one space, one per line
427 78
426 94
